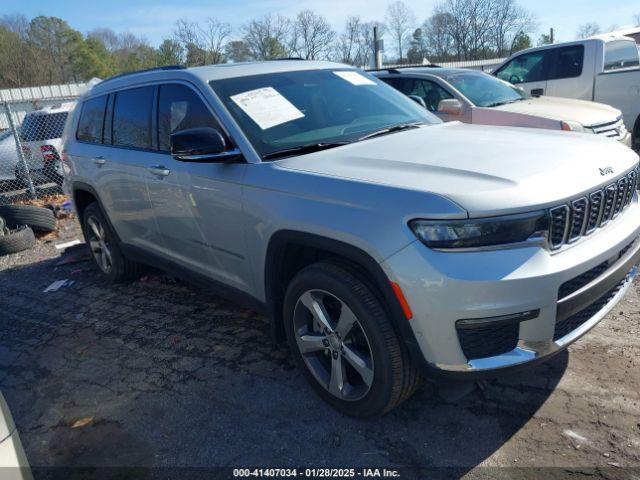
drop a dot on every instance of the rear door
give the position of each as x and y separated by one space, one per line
528 71
571 71
123 167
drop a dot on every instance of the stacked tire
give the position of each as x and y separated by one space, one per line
18 224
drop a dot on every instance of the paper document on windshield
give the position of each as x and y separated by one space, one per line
355 78
267 107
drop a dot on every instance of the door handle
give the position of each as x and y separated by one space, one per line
99 161
159 170
537 92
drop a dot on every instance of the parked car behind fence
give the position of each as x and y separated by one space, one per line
31 149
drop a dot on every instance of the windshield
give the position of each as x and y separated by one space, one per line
484 90
279 111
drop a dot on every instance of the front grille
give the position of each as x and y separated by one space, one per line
568 325
615 129
488 341
569 222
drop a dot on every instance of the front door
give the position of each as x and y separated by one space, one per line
197 206
528 71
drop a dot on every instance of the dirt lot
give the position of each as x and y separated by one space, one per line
161 374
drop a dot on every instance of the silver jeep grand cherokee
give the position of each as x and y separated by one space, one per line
386 245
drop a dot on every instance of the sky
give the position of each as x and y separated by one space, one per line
154 19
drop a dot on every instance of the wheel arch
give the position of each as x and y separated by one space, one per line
84 194
294 245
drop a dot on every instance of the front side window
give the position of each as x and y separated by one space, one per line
484 90
285 110
92 120
180 108
132 118
429 91
620 54
568 63
528 67
43 126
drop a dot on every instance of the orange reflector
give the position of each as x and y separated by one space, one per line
406 309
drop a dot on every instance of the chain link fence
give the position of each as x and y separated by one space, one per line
31 148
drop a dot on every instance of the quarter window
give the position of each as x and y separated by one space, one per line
528 67
132 118
180 108
92 120
620 54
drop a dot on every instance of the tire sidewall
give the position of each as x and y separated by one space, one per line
117 266
368 312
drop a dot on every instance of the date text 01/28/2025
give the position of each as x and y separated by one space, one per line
316 472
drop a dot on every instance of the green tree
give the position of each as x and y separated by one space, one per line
522 41
170 52
544 39
237 51
57 44
92 59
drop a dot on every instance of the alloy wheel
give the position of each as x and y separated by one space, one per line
99 244
333 345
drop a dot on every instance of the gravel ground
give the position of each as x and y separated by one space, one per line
158 373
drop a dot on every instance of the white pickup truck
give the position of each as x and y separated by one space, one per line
604 68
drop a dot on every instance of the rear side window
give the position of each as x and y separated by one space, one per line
620 54
180 108
44 126
568 63
92 120
132 118
528 67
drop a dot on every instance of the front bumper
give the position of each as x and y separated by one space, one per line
443 288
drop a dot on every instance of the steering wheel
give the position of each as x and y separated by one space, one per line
515 78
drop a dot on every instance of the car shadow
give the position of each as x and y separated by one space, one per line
160 374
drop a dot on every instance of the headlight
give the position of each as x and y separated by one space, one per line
480 232
570 126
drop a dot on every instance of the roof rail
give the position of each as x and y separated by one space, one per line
154 69
398 68
286 58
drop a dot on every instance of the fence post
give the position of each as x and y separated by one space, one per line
23 160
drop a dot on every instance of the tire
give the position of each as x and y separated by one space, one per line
38 218
117 268
392 378
16 241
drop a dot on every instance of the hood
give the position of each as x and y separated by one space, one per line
486 170
562 109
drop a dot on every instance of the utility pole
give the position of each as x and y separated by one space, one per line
551 35
378 46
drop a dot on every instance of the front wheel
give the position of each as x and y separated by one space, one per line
344 342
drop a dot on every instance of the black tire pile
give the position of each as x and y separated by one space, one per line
18 224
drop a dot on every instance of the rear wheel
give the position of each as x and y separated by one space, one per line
344 342
105 248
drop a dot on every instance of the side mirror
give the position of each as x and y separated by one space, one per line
418 100
204 144
451 106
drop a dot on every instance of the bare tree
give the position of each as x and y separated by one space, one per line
437 33
347 45
108 37
510 22
268 37
203 43
587 30
400 19
312 35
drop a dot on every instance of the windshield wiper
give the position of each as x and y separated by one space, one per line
301 150
506 102
395 128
